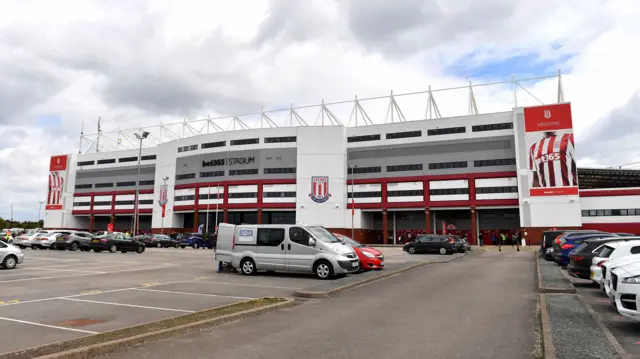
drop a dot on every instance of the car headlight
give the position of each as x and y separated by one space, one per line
632 280
370 255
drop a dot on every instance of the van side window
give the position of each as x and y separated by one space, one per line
270 237
299 235
635 250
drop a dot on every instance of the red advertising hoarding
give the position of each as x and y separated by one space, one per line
57 172
551 150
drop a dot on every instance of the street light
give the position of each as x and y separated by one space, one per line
139 136
39 209
353 203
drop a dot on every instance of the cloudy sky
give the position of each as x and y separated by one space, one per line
139 62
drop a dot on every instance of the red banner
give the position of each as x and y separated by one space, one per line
57 172
163 210
551 150
110 227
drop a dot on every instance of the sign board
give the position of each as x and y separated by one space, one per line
551 150
245 235
57 174
164 192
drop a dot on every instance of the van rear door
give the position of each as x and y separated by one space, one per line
224 247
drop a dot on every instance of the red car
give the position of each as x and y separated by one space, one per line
370 258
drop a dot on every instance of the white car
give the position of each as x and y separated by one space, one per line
26 239
625 290
608 266
44 241
10 255
609 252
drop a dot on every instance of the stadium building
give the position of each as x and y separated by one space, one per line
478 173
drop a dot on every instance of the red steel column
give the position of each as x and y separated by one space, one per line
427 214
474 226
385 227
259 203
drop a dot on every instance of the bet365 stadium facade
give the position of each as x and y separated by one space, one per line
478 173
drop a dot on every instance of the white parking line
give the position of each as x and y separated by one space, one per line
129 305
48 326
86 274
63 270
187 293
239 284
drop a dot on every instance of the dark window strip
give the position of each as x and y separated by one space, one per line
278 194
405 193
402 168
448 191
280 139
246 141
408 134
502 189
363 138
372 194
186 176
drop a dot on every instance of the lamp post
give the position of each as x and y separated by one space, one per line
39 210
139 136
353 203
206 226
163 202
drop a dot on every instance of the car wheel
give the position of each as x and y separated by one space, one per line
140 249
195 246
442 250
74 246
123 251
9 262
248 267
177 245
159 245
34 248
411 250
113 248
323 270
183 247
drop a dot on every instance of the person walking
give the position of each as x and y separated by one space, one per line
504 239
494 239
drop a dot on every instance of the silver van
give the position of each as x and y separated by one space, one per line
284 248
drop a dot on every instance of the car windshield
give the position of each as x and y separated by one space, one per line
349 241
322 234
581 248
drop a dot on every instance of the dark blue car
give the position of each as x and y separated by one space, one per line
193 240
569 244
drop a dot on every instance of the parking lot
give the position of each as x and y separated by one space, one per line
59 295
626 331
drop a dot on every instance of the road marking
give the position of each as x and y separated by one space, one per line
200 278
150 284
86 274
239 284
63 270
91 292
128 305
48 326
187 293
9 302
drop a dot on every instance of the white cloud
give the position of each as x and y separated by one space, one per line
137 62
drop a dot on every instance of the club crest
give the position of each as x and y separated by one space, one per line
319 189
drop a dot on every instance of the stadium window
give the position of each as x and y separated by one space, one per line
244 172
211 174
145 201
279 194
107 161
246 141
126 184
405 193
185 198
631 212
600 212
447 165
104 185
243 195
371 194
362 170
363 138
585 213
86 163
492 127
81 204
187 148
147 183
186 176
623 212
148 158
616 212
408 134
127 159
102 203
271 171
213 144
448 191
83 186
593 213
446 131
403 168
124 203
280 139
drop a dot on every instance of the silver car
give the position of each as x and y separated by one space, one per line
10 255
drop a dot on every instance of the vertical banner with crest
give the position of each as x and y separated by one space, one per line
57 174
162 201
551 155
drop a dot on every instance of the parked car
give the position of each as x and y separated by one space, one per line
610 251
370 258
10 255
285 248
44 240
431 243
460 244
625 290
546 244
26 240
621 234
609 266
194 240
580 259
160 241
570 243
114 242
73 242
557 243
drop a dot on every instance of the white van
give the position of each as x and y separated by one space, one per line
284 248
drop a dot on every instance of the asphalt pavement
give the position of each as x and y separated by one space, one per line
480 306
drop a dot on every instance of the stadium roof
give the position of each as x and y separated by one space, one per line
595 178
